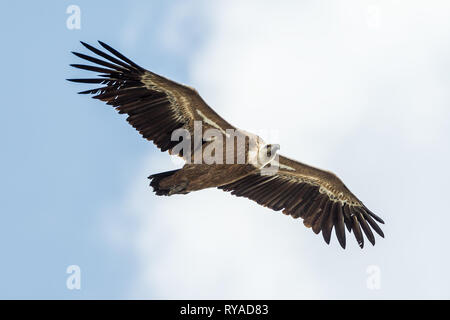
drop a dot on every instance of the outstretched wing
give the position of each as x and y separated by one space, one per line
317 196
156 106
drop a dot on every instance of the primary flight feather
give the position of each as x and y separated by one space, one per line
157 107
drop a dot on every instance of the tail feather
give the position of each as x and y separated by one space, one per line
155 180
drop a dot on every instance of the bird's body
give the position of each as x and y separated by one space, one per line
194 177
217 154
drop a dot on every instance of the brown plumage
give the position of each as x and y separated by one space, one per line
157 106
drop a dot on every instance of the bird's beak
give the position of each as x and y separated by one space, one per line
275 148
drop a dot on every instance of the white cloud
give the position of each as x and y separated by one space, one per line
357 96
210 245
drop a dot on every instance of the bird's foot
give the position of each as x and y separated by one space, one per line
178 189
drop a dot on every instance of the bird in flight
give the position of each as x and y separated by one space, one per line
165 112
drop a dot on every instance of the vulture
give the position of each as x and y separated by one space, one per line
172 115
